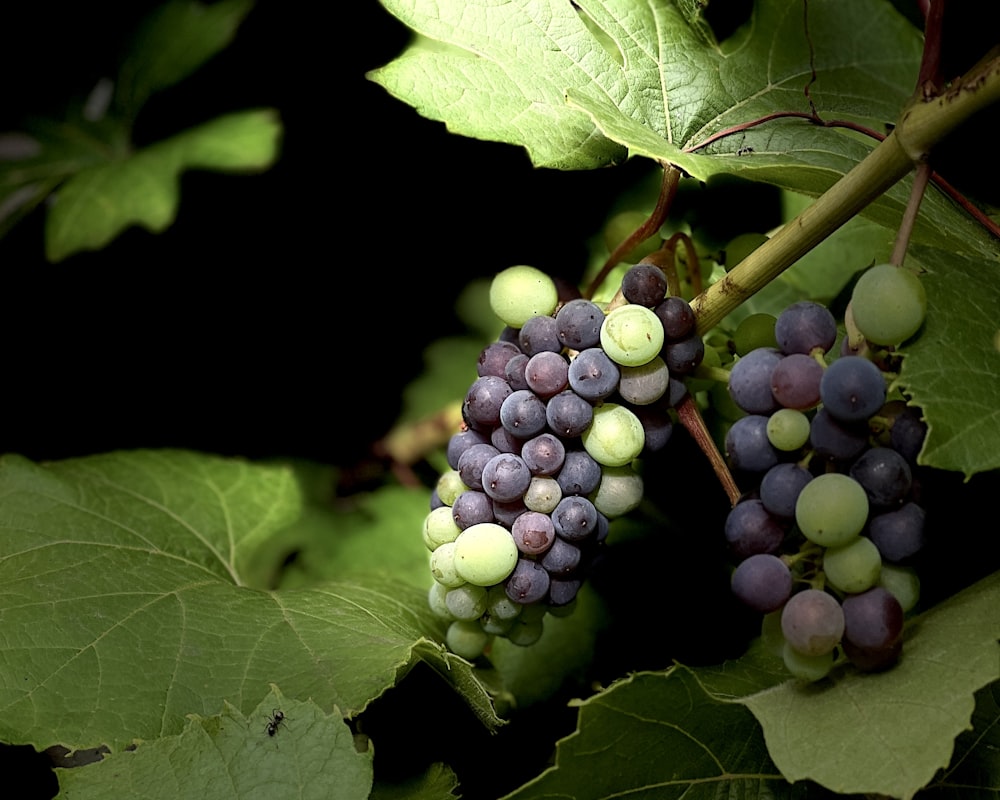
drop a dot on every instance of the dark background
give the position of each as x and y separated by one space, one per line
283 312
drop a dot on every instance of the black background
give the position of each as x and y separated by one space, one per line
283 312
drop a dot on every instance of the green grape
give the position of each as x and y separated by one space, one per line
543 494
440 527
521 292
525 631
644 384
466 638
888 304
466 601
619 491
622 225
807 668
485 554
756 330
741 246
450 486
831 509
852 567
499 605
903 582
615 435
443 566
632 335
435 599
788 429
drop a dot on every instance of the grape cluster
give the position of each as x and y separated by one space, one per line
827 531
565 401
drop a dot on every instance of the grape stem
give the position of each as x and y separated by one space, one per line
923 123
691 419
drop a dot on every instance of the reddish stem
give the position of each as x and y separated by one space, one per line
690 417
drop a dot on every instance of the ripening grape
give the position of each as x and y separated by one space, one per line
888 304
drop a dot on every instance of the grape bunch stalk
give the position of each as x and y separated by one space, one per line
566 400
827 532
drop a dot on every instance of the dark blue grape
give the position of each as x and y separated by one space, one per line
852 388
873 629
575 518
750 529
528 583
481 408
644 284
795 381
544 454
780 487
684 355
677 317
462 441
750 381
539 334
763 582
472 507
567 414
580 473
505 477
579 324
747 445
562 558
547 373
835 440
522 413
473 461
494 357
885 476
805 326
899 535
593 375
533 533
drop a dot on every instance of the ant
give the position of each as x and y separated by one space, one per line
276 718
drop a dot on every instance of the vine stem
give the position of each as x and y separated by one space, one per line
923 123
691 419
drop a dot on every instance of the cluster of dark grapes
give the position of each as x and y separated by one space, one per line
826 534
565 402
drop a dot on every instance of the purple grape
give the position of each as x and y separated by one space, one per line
780 487
533 533
899 535
644 284
528 583
522 413
852 389
472 462
747 445
763 582
462 441
580 473
481 408
885 476
750 529
539 334
579 324
750 381
494 357
805 326
836 440
684 355
471 507
544 454
873 629
506 477
547 373
575 518
562 558
677 317
567 414
593 375
795 381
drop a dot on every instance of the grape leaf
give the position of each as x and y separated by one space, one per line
883 733
99 202
173 42
229 755
694 731
950 369
121 587
660 735
975 763
437 783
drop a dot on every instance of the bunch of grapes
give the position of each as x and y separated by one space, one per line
566 400
826 534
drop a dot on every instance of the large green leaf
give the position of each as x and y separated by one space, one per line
229 756
143 188
746 728
123 605
172 43
951 369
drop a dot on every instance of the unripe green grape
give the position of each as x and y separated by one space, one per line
543 494
831 509
525 631
435 599
741 246
888 304
644 384
485 554
466 601
852 567
467 639
632 335
440 527
615 435
521 292
450 486
903 582
443 566
499 604
754 331
788 429
619 491
622 225
807 668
